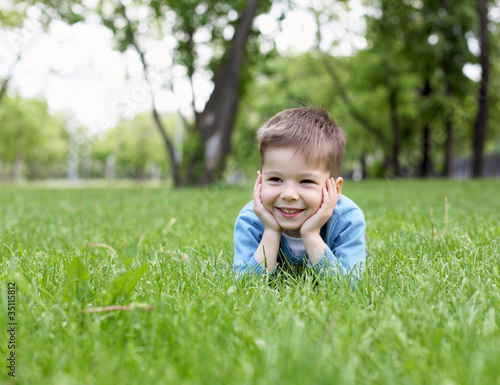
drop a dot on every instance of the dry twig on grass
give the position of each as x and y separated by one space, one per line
133 306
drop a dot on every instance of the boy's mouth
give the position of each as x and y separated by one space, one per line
289 211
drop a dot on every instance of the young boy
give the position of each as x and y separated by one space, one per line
298 212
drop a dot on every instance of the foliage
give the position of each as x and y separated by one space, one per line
432 40
32 137
135 144
279 83
287 82
206 39
379 89
426 310
11 16
409 43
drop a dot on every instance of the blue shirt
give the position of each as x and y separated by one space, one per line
343 234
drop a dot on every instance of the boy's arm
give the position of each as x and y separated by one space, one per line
310 229
345 250
267 251
250 241
346 244
256 249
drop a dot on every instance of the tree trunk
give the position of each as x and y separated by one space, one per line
481 123
156 117
5 82
449 114
396 145
450 141
364 168
216 122
425 165
168 145
3 87
449 146
17 167
110 167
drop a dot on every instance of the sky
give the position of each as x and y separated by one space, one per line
82 77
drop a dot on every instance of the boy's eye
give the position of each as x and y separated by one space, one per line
306 181
274 179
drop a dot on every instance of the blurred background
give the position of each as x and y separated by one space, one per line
174 91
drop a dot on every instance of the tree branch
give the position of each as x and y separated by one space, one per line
156 116
365 123
5 82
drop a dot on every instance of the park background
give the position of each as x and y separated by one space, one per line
175 91
128 147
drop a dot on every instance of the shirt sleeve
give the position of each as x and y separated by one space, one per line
345 247
248 232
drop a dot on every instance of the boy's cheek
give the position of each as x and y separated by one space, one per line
265 195
267 205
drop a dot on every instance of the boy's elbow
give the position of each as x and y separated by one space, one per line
251 268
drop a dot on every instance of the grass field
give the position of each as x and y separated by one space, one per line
427 310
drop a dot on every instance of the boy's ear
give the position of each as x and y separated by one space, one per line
338 185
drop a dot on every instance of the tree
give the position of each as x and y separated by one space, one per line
134 145
229 25
11 19
30 139
481 123
293 81
324 15
433 37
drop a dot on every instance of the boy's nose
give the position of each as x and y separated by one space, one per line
289 193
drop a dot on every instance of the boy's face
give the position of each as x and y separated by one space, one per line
291 189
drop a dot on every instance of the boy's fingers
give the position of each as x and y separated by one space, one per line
256 182
331 193
256 196
328 189
257 190
256 193
326 198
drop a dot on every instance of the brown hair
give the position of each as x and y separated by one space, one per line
311 131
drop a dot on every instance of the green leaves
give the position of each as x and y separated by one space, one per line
30 135
135 144
123 286
77 281
76 285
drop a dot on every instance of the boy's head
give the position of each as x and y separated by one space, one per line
300 149
310 132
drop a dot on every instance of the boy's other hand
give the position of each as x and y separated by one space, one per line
268 219
331 195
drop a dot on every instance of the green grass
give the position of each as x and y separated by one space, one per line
426 312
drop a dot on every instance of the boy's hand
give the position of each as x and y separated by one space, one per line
331 195
260 210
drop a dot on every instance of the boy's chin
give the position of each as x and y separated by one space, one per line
291 230
291 224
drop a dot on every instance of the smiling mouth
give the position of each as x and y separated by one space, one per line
286 211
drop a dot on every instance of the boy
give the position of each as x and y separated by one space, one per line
298 212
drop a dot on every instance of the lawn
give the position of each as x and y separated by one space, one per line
427 310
